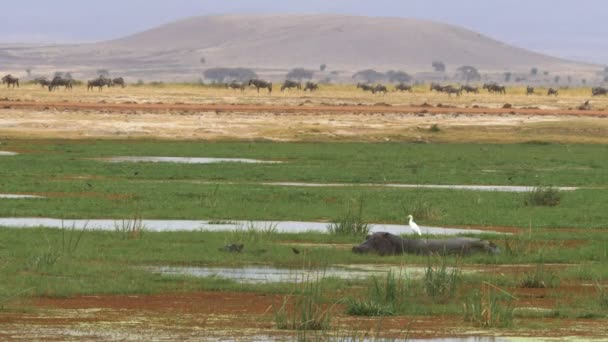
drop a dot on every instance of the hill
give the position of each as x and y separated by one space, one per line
274 43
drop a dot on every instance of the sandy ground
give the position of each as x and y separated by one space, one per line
289 123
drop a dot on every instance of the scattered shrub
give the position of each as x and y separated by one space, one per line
543 196
434 128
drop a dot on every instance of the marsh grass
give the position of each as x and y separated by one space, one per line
543 196
130 229
423 210
6 300
602 295
351 222
441 281
540 278
434 128
53 251
490 307
253 233
304 310
384 298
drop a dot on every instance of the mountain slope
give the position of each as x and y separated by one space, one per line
275 43
346 42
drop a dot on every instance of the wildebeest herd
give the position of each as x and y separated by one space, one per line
102 81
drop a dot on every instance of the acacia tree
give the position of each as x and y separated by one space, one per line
439 66
103 72
398 76
230 74
468 73
300 74
369 75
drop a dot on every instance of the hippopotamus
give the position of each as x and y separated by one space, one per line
389 244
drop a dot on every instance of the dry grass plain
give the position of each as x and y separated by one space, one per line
334 113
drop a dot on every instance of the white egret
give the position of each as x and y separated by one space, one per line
413 225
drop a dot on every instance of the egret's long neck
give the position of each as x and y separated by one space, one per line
410 220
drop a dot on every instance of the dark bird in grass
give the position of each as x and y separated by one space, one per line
89 185
136 173
295 250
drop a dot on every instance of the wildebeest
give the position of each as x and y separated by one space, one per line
529 90
311 86
390 244
59 81
99 82
452 90
236 85
551 91
436 87
288 84
599 91
119 81
261 84
403 87
43 81
470 89
495 88
365 87
379 88
10 81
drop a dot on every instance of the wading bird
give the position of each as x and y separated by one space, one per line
413 225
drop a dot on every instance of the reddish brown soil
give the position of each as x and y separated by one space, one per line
194 316
288 108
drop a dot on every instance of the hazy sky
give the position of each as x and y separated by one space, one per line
572 29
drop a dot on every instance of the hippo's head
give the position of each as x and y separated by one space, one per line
382 243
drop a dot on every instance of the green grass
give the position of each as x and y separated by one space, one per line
351 222
80 187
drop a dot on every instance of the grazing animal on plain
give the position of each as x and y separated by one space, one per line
10 81
390 244
470 89
288 84
261 84
552 91
599 91
365 87
452 90
529 90
311 86
379 88
57 81
42 81
236 86
99 82
403 87
119 81
436 87
495 88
